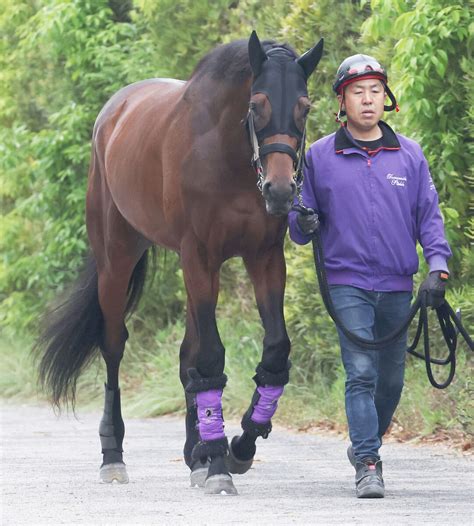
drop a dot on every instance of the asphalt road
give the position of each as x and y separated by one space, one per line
50 476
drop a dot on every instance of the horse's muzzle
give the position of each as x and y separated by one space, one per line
279 196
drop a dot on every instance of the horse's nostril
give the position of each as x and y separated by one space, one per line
283 191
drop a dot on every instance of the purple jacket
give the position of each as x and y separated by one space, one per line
373 208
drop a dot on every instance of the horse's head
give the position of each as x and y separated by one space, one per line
278 108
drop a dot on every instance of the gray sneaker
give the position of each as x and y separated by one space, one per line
351 455
369 481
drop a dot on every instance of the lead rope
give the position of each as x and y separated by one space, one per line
445 313
299 173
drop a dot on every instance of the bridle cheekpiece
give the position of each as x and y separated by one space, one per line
258 152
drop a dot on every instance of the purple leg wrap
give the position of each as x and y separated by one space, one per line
267 403
209 412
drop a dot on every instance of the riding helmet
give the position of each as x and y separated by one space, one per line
365 67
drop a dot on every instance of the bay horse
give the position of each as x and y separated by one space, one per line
170 167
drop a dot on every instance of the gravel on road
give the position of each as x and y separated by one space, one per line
50 476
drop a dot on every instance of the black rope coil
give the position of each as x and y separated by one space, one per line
445 313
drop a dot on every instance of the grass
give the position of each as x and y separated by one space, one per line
150 384
149 373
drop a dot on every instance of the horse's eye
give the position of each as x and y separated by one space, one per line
258 112
261 113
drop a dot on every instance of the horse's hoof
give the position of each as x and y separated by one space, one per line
115 472
235 465
199 474
220 485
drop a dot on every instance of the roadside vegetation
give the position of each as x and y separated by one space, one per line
60 60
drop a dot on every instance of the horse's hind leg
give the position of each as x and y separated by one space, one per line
268 276
202 368
112 297
114 283
119 253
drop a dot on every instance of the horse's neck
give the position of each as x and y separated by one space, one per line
218 97
222 106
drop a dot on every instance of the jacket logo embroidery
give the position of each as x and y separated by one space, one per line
396 180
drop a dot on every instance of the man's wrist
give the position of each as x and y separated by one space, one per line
438 263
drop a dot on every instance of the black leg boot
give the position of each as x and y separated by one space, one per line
256 422
112 431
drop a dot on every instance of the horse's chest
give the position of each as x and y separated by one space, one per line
235 231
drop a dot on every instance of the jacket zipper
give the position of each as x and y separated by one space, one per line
372 213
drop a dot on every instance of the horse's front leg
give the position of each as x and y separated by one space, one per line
268 275
202 369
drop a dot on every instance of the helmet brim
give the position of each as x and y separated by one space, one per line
368 75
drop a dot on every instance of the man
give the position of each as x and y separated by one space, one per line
372 191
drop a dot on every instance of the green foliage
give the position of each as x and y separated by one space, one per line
427 410
164 300
150 385
60 60
61 63
428 45
149 371
425 45
309 21
183 31
314 340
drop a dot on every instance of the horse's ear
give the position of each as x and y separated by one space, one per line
257 55
309 60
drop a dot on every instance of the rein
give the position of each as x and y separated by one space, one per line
447 318
259 152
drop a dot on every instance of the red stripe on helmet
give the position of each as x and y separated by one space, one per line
378 76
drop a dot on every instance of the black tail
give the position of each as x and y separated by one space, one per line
74 332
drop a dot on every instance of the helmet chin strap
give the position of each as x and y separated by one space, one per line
393 100
340 113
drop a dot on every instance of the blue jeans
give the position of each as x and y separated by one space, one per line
374 379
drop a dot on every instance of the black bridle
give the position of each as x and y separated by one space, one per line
258 152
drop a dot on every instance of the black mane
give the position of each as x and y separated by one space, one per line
230 62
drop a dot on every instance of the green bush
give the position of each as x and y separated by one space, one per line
60 60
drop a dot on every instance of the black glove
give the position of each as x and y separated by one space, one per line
434 285
308 222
